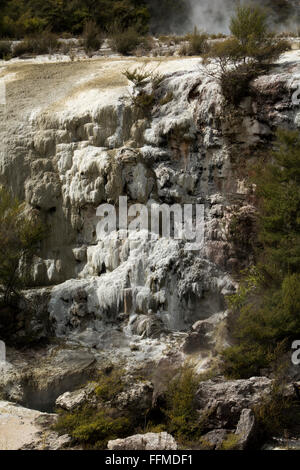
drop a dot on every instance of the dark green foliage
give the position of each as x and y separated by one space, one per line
267 304
25 17
5 49
279 190
20 240
92 427
242 57
276 413
180 411
110 385
235 83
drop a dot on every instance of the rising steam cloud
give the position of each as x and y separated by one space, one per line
213 16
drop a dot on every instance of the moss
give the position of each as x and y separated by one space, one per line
231 442
110 385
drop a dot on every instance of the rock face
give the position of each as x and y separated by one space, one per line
225 402
71 141
67 153
149 441
36 380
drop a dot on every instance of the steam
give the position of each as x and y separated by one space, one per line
213 16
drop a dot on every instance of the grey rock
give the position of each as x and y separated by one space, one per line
138 397
245 429
225 400
149 441
213 440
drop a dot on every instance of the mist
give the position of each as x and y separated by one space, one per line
213 16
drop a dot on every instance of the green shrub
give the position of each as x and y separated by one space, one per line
138 76
181 404
235 83
275 413
91 37
225 53
197 43
110 385
93 428
241 57
124 41
143 102
249 23
46 43
5 50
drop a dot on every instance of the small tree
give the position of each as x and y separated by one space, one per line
241 58
20 238
249 24
267 305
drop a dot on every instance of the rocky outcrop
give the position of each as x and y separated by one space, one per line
67 153
224 403
37 379
149 441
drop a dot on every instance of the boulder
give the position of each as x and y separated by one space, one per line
224 401
245 428
137 397
149 441
71 400
213 440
